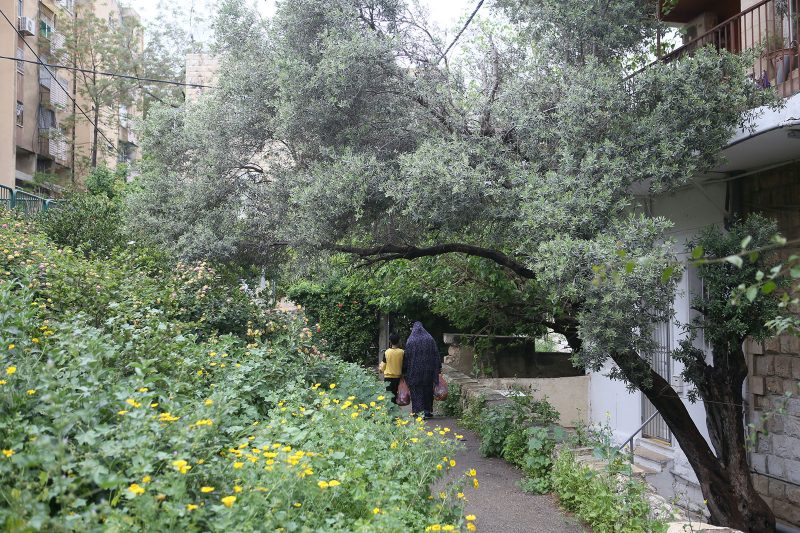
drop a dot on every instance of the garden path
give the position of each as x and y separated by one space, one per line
499 504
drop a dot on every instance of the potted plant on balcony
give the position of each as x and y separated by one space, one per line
780 50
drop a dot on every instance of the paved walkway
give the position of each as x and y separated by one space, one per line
499 504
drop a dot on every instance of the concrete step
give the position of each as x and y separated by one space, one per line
648 458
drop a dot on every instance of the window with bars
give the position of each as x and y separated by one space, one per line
20 114
20 64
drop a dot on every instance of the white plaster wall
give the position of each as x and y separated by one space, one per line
690 209
611 403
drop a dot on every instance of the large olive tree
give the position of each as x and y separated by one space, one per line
341 126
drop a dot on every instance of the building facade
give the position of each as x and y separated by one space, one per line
759 173
47 119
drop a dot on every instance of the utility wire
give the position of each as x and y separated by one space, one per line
54 78
110 74
463 29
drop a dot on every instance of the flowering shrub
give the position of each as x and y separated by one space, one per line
115 414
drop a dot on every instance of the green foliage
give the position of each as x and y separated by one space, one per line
346 320
453 405
115 415
104 181
497 424
92 223
606 501
537 460
730 308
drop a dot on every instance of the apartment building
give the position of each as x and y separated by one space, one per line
759 173
47 116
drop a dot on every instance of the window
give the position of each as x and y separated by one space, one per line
19 8
20 64
20 113
46 26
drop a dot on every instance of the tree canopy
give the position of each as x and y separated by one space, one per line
341 126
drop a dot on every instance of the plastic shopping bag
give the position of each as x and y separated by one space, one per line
403 393
440 390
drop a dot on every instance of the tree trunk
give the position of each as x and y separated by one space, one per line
96 126
724 478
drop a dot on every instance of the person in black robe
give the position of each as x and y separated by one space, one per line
421 368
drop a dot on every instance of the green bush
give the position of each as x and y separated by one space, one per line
347 322
452 406
87 222
606 500
116 415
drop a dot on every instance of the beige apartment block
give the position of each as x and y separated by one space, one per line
201 69
45 139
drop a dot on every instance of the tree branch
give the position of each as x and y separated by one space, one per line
390 252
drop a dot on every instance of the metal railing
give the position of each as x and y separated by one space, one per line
758 28
629 441
29 204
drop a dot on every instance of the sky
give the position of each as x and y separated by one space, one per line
445 13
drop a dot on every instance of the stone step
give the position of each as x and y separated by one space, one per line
651 459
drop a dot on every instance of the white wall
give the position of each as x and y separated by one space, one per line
691 209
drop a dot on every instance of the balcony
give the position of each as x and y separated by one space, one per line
52 143
760 27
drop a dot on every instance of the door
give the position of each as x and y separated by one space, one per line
661 362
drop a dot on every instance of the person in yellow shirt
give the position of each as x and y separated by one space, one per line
392 365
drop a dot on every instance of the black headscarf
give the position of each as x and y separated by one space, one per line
421 361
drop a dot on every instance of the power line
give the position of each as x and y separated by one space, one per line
463 29
54 78
110 74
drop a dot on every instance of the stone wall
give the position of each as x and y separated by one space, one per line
775 364
776 418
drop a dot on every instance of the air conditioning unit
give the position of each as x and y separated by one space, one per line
26 26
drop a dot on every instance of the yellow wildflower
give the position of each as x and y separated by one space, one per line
439 466
472 472
191 506
35 340
132 402
471 526
460 495
297 504
475 483
333 483
11 346
31 392
208 402
237 489
206 489
452 462
381 397
332 385
181 466
3 382
136 489
228 501
470 517
147 479
143 389
323 484
10 370
448 527
8 453
376 510
122 413
238 464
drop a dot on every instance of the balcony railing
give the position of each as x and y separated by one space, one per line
52 143
758 28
